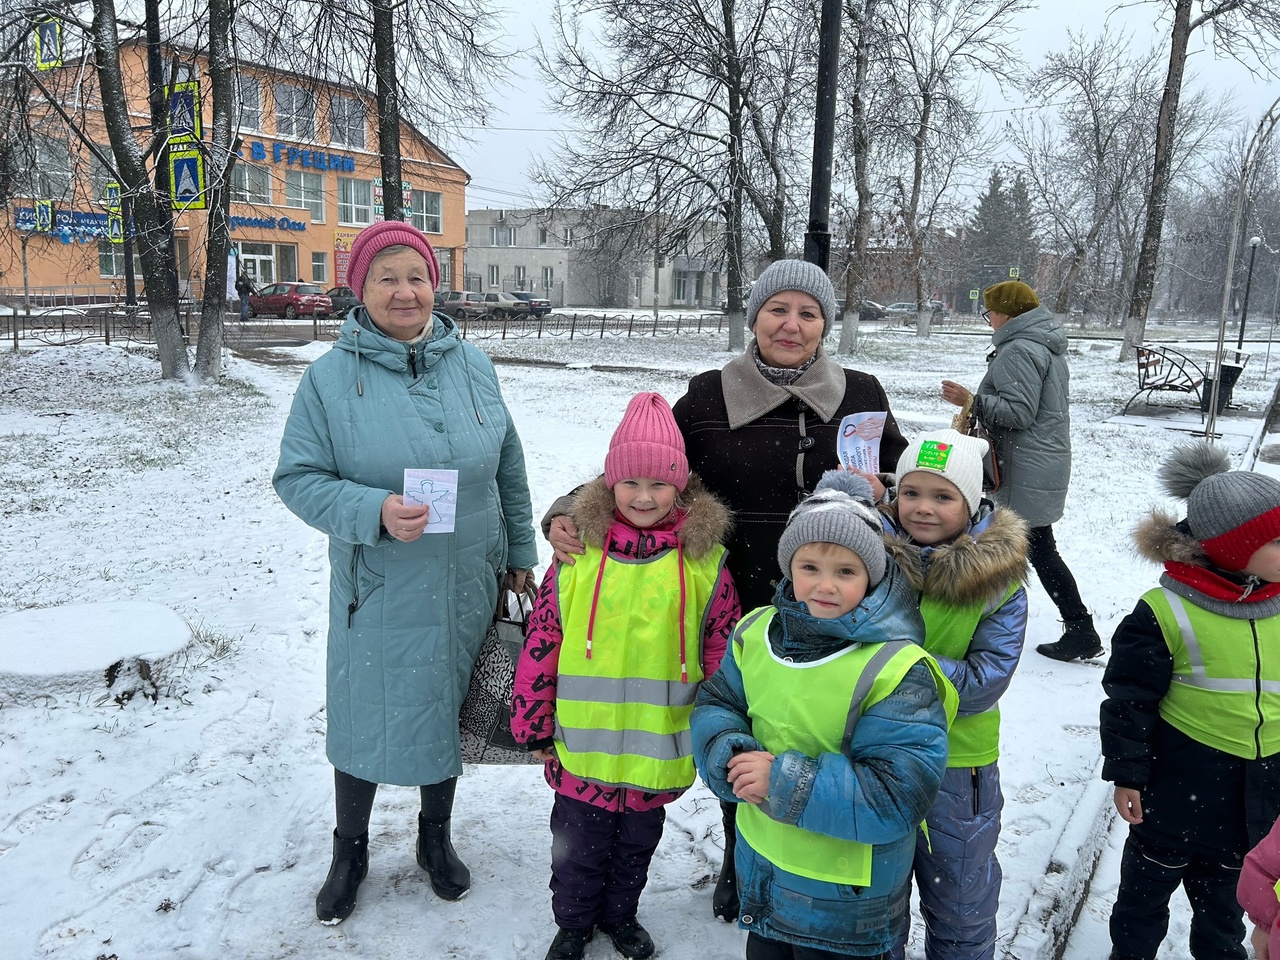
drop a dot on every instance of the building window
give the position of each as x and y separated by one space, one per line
494 277
295 111
355 201
249 102
99 175
250 184
548 277
502 236
542 236
48 170
568 236
424 209
521 278
305 190
178 71
319 268
347 121
681 281
111 260
446 273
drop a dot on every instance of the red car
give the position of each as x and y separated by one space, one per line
289 300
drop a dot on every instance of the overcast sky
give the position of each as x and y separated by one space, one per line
521 128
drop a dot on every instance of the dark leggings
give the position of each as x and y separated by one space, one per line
353 802
1057 580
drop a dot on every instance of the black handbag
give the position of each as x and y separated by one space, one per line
484 722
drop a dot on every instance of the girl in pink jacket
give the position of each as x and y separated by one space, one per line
1259 891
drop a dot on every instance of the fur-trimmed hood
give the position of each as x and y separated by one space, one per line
1159 538
977 567
703 525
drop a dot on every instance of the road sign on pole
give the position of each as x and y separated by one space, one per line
48 45
186 174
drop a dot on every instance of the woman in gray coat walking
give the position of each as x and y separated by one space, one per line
1024 400
408 605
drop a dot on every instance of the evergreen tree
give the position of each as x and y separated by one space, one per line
1002 233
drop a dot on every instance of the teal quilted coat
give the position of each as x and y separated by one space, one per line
405 619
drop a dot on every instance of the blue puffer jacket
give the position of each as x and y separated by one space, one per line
406 620
877 794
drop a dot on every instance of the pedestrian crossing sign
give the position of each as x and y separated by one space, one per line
111 196
115 228
48 45
184 112
1013 273
44 216
186 179
973 294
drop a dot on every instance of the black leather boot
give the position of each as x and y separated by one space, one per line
570 944
1079 641
337 898
724 902
449 876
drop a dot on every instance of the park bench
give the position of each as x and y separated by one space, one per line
1163 369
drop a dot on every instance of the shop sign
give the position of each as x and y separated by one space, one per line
342 240
301 157
80 223
267 223
406 197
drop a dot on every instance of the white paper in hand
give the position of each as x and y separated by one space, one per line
858 443
436 489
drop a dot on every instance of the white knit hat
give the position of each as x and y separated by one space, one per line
952 456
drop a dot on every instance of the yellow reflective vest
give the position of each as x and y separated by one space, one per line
1226 676
813 708
623 691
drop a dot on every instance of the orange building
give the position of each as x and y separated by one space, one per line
308 179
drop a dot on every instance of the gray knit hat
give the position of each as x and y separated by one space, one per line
838 511
1231 512
794 275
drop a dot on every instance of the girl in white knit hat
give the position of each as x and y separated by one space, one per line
966 560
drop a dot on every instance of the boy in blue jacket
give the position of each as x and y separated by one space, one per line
827 722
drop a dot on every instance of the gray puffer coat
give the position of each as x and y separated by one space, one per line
406 620
1024 400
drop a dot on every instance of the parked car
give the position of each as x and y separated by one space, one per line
461 304
871 310
290 300
902 310
538 307
501 305
343 299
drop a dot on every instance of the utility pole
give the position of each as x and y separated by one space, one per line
817 239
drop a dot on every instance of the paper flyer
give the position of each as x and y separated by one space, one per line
858 443
436 489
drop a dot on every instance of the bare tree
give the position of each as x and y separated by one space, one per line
1244 28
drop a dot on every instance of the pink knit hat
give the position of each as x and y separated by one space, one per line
373 240
647 444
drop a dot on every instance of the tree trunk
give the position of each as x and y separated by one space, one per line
218 199
1145 277
856 284
384 66
924 318
153 239
737 174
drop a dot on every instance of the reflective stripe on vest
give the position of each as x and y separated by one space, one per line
1225 692
974 740
808 707
622 712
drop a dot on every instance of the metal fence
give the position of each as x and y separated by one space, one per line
572 324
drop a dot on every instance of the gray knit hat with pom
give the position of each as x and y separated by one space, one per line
839 511
1231 512
794 275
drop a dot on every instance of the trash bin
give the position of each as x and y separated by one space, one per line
1230 374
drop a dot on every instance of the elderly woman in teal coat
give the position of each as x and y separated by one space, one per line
408 607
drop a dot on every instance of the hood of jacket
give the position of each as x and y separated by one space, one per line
748 396
1038 324
889 612
360 336
979 566
700 526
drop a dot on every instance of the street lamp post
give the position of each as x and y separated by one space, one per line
1254 242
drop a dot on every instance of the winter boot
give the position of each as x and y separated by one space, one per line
1079 641
570 944
449 876
337 898
629 939
724 902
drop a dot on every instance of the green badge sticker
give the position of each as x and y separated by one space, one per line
934 455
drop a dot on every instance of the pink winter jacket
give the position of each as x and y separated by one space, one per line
1256 889
699 527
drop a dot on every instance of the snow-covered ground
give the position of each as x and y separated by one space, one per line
198 824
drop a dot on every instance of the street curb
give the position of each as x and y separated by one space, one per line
1056 903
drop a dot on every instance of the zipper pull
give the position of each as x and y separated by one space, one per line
413 361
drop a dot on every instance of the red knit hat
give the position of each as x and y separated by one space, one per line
373 240
647 444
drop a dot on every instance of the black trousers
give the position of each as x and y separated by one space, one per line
1150 870
1042 551
760 948
353 802
599 861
